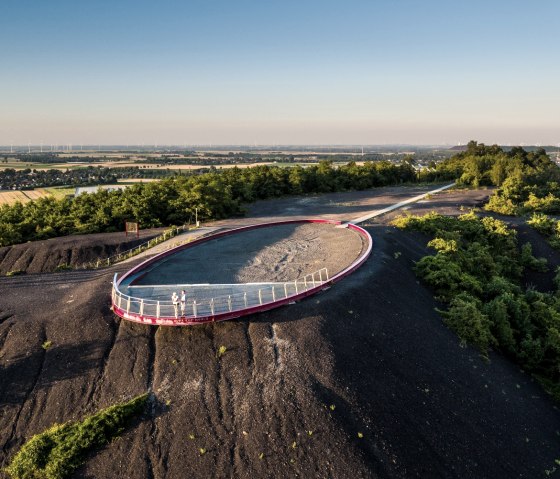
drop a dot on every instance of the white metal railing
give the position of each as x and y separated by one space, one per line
167 234
203 307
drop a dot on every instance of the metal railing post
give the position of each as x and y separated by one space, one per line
286 290
245 298
320 276
141 307
273 294
128 305
313 278
120 301
326 273
260 296
194 308
212 306
295 284
229 302
305 282
157 310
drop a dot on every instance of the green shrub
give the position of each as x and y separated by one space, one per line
529 261
444 245
477 270
500 204
542 223
465 317
60 450
16 272
63 267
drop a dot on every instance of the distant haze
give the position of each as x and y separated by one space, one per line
313 72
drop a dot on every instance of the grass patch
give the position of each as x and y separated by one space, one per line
17 272
63 267
60 450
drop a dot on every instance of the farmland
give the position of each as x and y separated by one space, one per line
11 197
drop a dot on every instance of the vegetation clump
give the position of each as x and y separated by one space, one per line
221 351
548 227
477 271
60 450
527 181
17 272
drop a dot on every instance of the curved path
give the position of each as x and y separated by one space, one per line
228 293
138 295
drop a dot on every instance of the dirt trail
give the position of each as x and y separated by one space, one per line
369 356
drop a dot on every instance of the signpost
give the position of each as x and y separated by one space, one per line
132 227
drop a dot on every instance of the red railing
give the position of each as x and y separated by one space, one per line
122 303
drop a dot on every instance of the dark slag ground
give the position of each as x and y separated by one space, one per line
370 355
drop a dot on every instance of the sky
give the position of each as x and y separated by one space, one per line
279 72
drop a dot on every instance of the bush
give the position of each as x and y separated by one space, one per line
529 261
61 449
16 272
465 317
542 223
477 269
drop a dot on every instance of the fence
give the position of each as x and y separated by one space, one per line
167 234
253 296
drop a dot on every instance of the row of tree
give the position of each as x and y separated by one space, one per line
526 180
216 194
12 179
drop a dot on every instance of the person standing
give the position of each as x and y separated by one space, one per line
175 301
183 302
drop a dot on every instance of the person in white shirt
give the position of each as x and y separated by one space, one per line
175 300
183 302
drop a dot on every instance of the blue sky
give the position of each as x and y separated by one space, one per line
271 72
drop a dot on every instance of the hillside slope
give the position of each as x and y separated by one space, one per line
370 355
